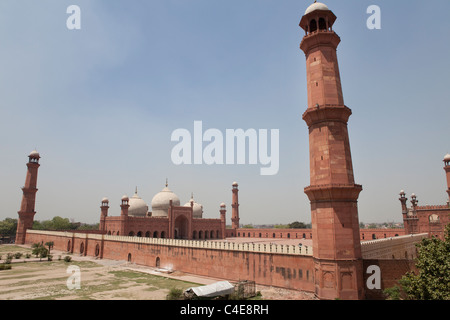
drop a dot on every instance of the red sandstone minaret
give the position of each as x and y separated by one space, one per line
223 220
447 172
235 207
104 207
333 192
26 213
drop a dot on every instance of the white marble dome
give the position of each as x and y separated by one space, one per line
316 6
34 154
161 202
138 207
197 208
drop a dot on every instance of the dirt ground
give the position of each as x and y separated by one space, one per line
102 279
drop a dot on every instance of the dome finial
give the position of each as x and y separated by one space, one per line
135 192
167 182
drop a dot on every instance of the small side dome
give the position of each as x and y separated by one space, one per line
125 198
105 200
197 208
223 205
138 207
447 157
316 6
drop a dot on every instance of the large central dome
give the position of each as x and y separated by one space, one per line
161 202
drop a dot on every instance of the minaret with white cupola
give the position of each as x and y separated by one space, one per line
27 207
332 192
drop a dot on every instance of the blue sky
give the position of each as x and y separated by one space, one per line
100 103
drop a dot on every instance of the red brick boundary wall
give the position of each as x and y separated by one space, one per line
365 234
279 266
284 266
391 272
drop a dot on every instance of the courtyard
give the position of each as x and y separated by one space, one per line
101 279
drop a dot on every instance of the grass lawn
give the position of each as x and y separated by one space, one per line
47 280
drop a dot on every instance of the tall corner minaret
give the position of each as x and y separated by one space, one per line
235 207
332 192
26 213
447 172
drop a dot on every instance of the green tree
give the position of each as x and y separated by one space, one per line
297 225
89 226
57 223
432 282
39 250
8 227
50 245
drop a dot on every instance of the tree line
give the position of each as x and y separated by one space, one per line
8 226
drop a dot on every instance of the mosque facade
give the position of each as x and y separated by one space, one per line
168 219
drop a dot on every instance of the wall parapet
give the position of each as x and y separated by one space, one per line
432 207
392 248
203 244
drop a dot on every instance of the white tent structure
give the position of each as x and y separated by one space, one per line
221 288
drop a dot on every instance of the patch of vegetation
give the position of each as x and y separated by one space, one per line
432 282
175 294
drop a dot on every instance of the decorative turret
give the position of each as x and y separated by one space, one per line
414 201
410 219
403 200
223 212
124 206
104 213
447 172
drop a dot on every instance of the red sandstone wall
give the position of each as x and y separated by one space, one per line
391 272
275 233
286 271
209 227
372 234
280 270
365 234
